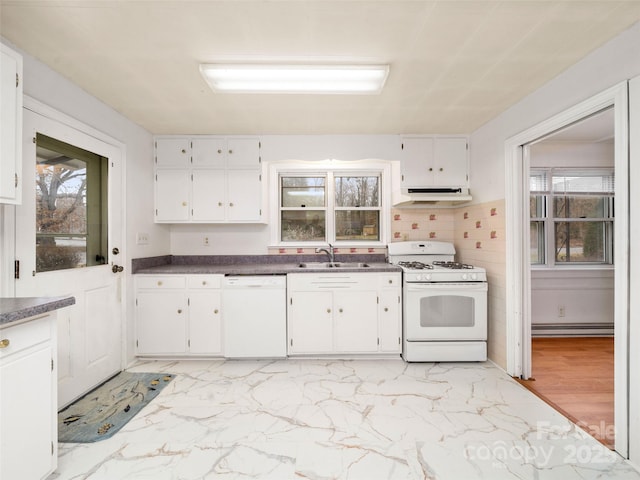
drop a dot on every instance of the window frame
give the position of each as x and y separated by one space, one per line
330 169
547 249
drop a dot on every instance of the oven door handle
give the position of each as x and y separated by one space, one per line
467 286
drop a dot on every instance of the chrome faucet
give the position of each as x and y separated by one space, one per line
328 252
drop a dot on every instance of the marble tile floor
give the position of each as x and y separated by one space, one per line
336 419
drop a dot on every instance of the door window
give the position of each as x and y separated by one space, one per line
71 206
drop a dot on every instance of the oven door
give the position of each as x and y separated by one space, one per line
445 311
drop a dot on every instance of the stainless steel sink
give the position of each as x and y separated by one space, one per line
333 265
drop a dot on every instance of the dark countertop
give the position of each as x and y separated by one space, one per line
256 264
13 310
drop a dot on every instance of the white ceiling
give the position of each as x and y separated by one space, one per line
454 64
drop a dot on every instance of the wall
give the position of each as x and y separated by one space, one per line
52 89
616 61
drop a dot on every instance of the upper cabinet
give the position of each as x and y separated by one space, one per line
434 162
207 179
10 126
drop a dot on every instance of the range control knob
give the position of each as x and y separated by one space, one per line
474 276
464 276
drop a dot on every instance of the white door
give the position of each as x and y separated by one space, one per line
89 333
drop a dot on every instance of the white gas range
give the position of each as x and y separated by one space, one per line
444 303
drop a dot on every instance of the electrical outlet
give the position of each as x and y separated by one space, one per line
142 238
205 241
561 311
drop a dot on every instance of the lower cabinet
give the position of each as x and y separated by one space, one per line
344 313
28 400
178 315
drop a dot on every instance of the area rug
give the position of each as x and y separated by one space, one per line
103 411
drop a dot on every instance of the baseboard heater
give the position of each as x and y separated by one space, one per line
572 330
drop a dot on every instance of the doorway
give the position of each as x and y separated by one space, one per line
69 233
519 245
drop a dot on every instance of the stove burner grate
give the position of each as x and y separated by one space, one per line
453 265
416 265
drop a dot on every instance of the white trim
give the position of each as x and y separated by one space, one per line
518 311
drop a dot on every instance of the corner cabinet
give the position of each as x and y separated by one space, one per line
344 313
10 126
178 315
208 179
434 162
28 399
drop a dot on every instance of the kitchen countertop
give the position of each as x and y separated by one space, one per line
255 264
14 310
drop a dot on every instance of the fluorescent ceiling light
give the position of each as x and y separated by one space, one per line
323 79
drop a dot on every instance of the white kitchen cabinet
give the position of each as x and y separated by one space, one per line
178 315
10 126
341 313
390 314
28 400
219 180
434 162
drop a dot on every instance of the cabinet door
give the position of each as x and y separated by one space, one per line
417 162
208 195
356 321
243 153
450 162
205 332
244 194
10 126
161 322
173 152
390 320
209 152
25 408
310 322
172 195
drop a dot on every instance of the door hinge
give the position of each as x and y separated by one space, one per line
136 302
399 341
291 301
398 298
136 343
52 364
378 300
17 80
16 269
51 448
33 139
259 144
378 340
260 177
402 146
15 180
291 342
189 343
259 159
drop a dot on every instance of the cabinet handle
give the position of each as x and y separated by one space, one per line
219 150
204 282
430 169
179 310
328 310
386 309
441 169
4 343
219 204
184 204
390 281
159 283
215 311
183 151
230 151
231 204
340 310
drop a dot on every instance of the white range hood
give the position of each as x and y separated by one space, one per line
431 197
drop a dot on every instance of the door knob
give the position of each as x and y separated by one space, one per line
117 268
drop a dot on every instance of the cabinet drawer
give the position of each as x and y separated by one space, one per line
161 282
390 280
332 281
204 281
25 335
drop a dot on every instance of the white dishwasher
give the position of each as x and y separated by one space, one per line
255 316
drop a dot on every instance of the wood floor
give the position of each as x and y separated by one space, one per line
575 376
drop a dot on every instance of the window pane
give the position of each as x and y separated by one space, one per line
302 225
579 207
303 191
71 206
583 182
580 242
357 225
536 206
537 242
357 191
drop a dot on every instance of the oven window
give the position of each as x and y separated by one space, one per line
447 311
